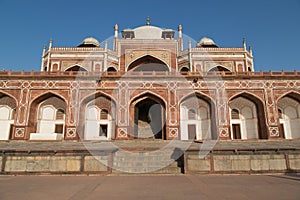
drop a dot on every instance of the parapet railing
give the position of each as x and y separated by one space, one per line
149 74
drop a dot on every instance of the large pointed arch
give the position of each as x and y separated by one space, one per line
292 94
203 127
288 107
3 93
102 103
148 63
34 111
148 116
76 68
259 111
8 106
219 68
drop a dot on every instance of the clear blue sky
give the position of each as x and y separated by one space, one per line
271 27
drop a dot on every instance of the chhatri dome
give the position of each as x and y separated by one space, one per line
206 42
90 42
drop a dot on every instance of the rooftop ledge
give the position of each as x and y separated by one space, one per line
72 74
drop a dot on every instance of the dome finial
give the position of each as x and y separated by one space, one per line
148 20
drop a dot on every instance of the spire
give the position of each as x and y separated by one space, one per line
244 43
180 31
50 43
250 50
148 20
116 28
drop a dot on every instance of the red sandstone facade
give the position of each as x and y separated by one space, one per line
149 83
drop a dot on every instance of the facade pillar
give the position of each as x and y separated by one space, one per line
271 112
122 111
22 129
172 123
71 121
222 112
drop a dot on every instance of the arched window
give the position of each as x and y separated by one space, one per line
48 113
184 70
92 113
4 113
111 69
191 114
104 114
235 114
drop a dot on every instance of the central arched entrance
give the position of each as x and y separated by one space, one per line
148 117
148 63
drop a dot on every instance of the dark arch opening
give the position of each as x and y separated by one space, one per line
111 69
148 114
184 70
76 68
260 112
218 69
148 63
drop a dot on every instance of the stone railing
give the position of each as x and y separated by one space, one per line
72 74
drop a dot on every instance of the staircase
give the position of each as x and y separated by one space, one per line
147 162
144 130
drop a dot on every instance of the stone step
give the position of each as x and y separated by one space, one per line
144 164
144 130
166 170
145 153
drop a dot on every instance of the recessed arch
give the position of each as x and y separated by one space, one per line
292 94
147 94
7 115
203 126
102 125
289 115
246 127
44 124
148 63
219 68
199 94
76 68
3 93
148 116
94 95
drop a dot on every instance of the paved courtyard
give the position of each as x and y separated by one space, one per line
150 187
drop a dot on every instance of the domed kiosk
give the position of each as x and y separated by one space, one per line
206 42
90 42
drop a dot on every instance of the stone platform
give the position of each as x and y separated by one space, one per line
150 156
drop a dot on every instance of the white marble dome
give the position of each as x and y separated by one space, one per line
147 32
